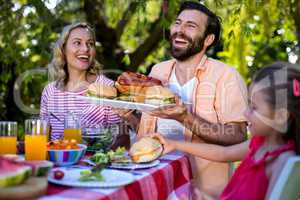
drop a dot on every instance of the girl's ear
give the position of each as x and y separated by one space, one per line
281 118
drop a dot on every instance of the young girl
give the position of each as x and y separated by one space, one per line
274 123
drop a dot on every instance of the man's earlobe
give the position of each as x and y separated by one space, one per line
209 40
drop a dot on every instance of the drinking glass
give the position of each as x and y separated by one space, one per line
72 128
8 137
36 139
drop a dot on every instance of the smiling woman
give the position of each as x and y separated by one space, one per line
74 57
73 68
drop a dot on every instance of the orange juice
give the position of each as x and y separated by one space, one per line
73 133
36 147
8 145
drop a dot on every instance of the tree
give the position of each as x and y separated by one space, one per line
126 36
257 33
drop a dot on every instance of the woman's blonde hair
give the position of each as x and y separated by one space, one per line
58 70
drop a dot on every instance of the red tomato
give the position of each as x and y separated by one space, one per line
58 174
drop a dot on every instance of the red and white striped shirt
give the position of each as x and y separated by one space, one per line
61 102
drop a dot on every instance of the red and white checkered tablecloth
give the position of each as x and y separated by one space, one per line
169 180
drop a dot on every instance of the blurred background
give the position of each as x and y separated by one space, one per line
132 35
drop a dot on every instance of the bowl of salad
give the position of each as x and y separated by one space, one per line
99 138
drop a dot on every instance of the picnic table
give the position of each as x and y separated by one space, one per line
171 179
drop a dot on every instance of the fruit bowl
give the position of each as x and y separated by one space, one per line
66 157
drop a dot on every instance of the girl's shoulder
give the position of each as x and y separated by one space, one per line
282 158
275 167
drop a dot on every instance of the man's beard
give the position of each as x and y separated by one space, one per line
194 47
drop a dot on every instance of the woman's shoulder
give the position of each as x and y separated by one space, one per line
50 87
104 80
48 91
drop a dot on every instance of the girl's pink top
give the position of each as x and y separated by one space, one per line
250 180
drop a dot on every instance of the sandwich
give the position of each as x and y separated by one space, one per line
158 95
146 149
102 91
132 86
132 97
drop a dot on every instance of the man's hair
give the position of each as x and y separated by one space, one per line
213 25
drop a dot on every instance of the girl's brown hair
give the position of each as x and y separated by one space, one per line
281 93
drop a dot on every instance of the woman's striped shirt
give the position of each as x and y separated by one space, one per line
61 102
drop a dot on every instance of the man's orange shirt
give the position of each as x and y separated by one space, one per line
219 96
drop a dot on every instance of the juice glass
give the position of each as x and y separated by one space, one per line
72 128
36 139
8 137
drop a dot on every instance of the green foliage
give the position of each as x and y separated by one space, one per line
256 33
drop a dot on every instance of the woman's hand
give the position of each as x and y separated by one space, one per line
168 145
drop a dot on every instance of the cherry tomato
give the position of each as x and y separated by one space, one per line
58 174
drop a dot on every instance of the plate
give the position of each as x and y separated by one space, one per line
112 178
134 165
120 104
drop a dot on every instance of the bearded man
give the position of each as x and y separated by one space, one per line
214 95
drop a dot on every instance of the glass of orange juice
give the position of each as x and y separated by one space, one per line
8 137
36 139
72 128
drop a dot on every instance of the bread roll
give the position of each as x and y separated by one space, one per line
158 95
100 90
146 149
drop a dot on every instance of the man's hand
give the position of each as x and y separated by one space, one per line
167 144
176 112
